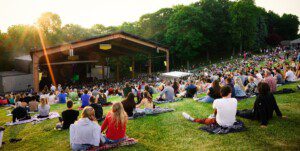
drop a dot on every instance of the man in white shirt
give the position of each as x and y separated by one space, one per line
289 75
224 110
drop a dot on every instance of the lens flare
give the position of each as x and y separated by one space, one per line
46 57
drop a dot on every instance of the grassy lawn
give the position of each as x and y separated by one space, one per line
170 131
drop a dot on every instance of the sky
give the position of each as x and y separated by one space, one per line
107 12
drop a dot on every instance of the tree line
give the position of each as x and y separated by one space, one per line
201 31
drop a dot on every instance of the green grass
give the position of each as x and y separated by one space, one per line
170 131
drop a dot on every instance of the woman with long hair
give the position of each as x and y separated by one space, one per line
43 108
129 104
146 101
86 132
115 123
239 88
212 93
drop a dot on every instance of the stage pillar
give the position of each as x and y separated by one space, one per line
168 61
35 63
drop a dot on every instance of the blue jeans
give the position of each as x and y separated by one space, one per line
206 99
109 141
79 147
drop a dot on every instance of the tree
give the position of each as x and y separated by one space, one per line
50 24
97 29
73 32
289 25
244 21
184 32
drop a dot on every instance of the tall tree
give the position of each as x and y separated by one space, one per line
289 26
184 32
72 32
244 23
50 24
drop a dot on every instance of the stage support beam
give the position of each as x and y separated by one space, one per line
168 61
35 63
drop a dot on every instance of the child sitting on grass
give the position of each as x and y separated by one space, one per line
224 110
114 124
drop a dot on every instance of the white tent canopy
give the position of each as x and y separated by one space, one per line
176 74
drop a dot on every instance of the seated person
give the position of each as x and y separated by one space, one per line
62 97
251 86
114 125
264 106
290 75
20 113
148 89
69 116
191 90
129 104
85 98
146 102
224 110
86 132
212 93
52 98
97 107
229 83
33 105
168 91
126 90
102 99
239 88
73 95
43 108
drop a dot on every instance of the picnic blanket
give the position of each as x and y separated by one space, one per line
155 111
238 126
126 142
34 119
168 101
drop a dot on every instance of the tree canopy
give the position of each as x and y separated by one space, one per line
201 31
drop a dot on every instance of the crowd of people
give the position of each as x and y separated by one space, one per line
224 84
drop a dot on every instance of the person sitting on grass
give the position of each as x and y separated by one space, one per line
146 102
212 93
168 93
270 80
62 97
20 113
224 110
251 86
290 75
229 83
191 89
264 106
239 88
43 108
85 98
129 104
126 90
97 107
69 116
86 132
114 125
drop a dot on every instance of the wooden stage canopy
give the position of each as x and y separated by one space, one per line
122 44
